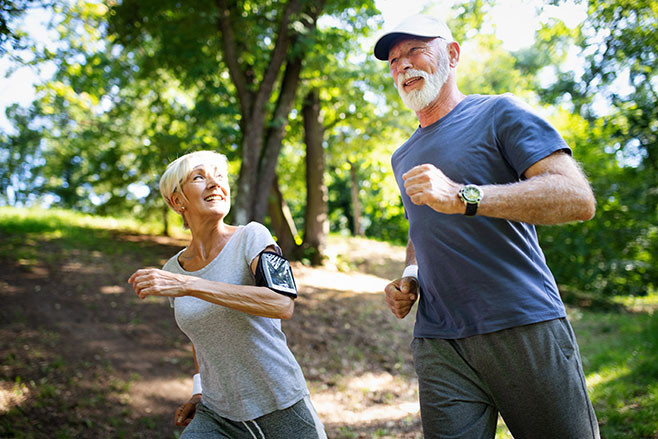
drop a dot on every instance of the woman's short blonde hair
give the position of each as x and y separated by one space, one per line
179 169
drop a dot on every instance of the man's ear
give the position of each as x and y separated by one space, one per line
454 51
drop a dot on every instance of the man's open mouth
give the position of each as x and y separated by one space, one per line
410 81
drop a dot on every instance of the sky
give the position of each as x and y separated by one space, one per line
515 21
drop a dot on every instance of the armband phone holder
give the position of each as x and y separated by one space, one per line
274 272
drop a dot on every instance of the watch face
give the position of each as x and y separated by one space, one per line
471 194
278 273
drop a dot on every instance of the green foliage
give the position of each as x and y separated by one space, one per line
142 82
10 10
20 158
364 121
616 144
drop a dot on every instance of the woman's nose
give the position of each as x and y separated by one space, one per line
212 181
216 182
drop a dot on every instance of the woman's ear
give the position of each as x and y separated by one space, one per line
176 202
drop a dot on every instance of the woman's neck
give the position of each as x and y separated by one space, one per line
207 241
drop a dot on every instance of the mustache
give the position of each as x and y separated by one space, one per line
411 73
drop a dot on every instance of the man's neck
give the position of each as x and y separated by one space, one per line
449 97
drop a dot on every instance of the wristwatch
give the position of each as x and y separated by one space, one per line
471 195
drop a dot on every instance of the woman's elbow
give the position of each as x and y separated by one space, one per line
287 309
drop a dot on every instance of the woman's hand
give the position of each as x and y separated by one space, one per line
155 282
185 412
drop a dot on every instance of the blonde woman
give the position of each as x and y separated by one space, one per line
248 383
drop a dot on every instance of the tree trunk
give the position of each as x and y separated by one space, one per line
282 223
356 202
274 138
248 178
165 220
253 97
316 221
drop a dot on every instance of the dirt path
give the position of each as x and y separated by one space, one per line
83 357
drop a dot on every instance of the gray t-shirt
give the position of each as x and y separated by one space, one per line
479 274
247 369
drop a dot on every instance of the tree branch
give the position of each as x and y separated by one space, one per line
278 58
231 58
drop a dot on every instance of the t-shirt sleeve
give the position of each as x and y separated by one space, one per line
257 239
523 136
167 267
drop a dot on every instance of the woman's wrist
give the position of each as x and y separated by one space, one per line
196 384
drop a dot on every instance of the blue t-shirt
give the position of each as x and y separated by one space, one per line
479 274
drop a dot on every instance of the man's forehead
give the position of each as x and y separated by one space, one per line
405 40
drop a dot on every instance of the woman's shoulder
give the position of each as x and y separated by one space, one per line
254 227
172 264
256 236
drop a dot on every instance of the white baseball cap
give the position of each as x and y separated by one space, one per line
414 26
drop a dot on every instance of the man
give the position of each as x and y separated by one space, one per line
491 334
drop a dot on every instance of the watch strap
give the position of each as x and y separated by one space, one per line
471 208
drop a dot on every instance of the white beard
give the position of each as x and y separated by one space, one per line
420 98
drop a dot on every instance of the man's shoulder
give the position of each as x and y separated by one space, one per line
493 101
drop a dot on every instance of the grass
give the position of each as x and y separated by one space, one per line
55 222
619 345
620 357
620 351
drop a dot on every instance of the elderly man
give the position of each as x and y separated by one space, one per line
491 334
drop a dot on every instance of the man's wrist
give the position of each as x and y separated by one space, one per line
411 271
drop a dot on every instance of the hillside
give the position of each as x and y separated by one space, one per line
83 357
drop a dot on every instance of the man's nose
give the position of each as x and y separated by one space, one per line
404 63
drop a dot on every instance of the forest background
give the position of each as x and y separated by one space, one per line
309 119
290 92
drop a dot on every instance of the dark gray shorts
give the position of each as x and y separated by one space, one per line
300 421
532 375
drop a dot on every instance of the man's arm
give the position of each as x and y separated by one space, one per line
401 294
555 191
410 257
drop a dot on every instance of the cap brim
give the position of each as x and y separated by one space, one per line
384 45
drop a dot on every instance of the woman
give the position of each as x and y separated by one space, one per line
252 385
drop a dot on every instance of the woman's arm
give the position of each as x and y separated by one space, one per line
260 301
185 413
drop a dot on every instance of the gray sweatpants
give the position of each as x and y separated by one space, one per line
531 374
300 421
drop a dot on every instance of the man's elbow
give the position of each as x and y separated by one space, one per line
588 209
